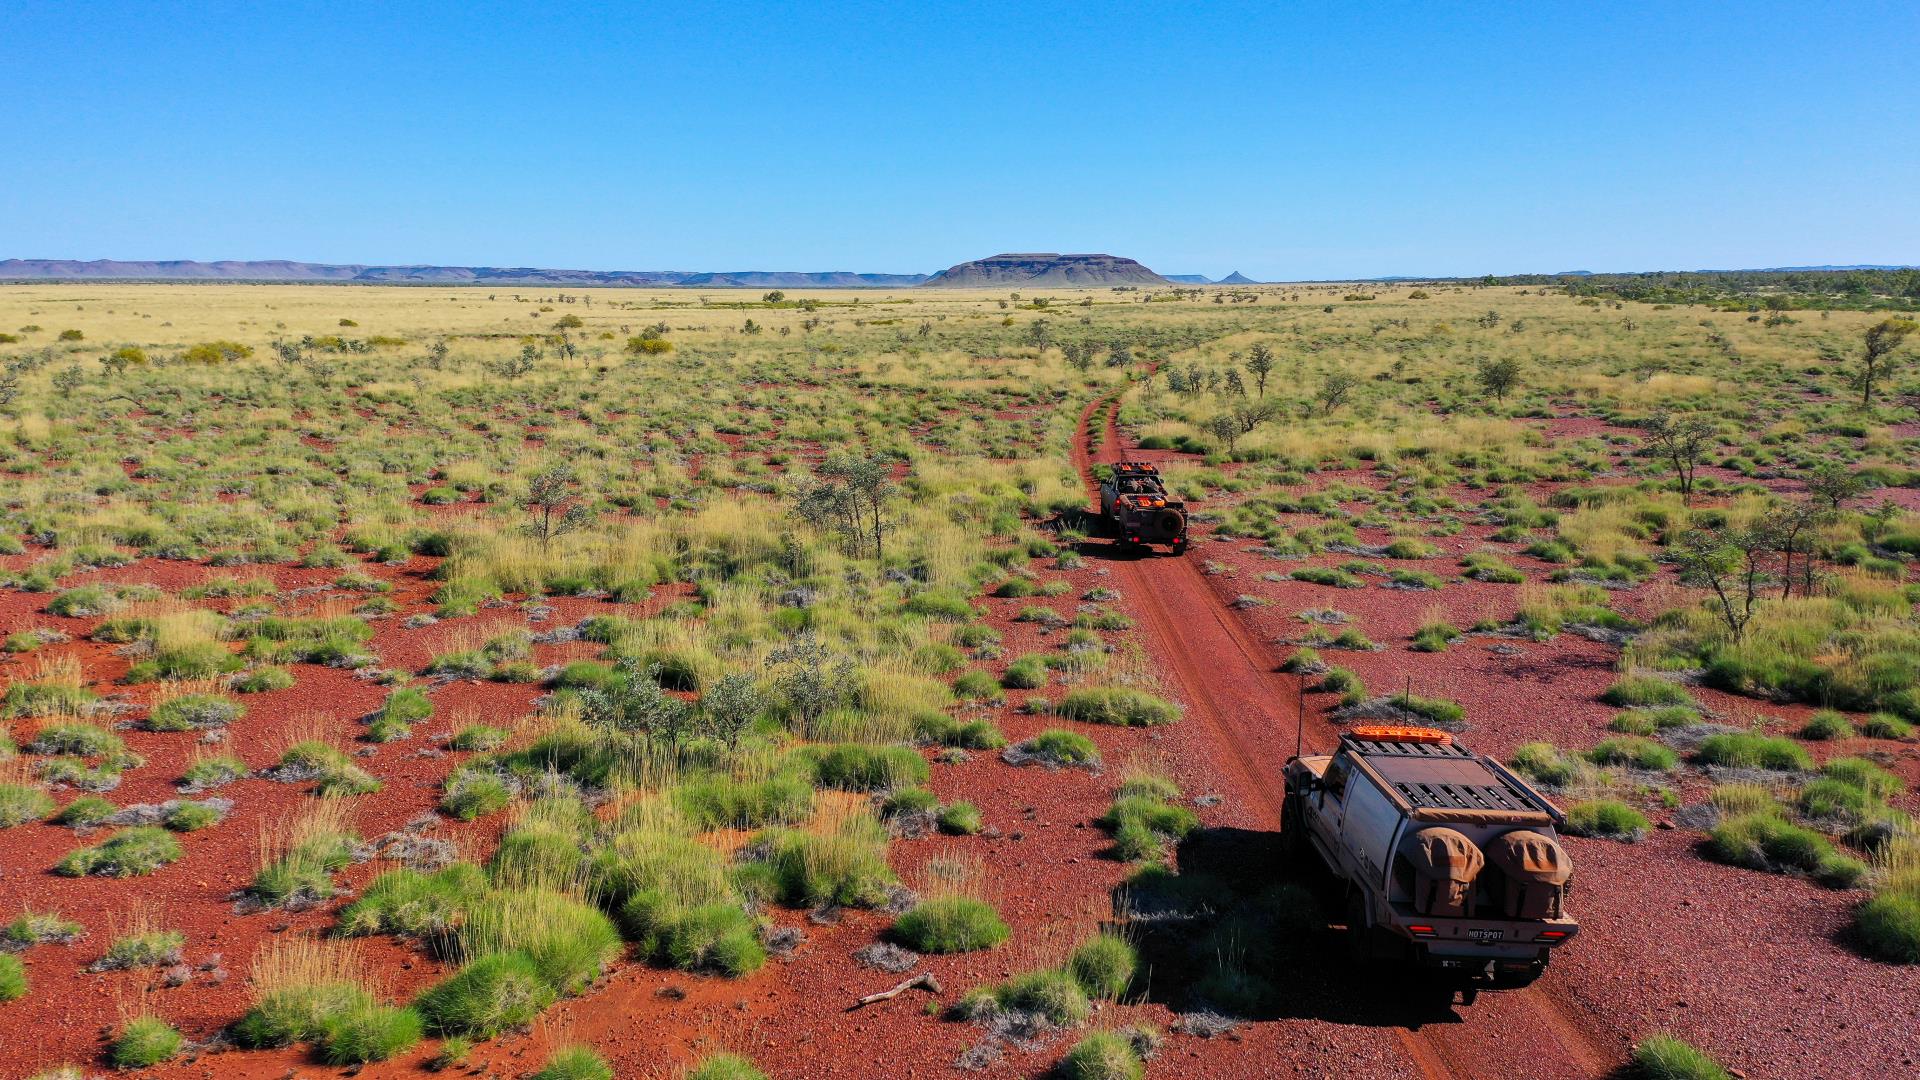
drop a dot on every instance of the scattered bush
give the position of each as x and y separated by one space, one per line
726 1067
960 819
1826 724
1764 841
1608 820
1663 1057
575 1063
1646 690
127 853
1117 705
1060 748
190 712
950 924
1103 1055
21 803
367 1031
144 1042
490 995
13 978
1747 750
1104 966
1635 752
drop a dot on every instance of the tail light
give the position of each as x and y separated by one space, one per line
1421 931
1551 936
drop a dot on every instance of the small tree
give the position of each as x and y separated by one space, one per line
1221 426
549 498
1882 340
1040 334
730 706
1334 391
809 679
773 297
1832 485
638 704
1498 377
1260 365
1683 442
1732 563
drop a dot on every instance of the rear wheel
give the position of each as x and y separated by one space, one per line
1359 931
1293 840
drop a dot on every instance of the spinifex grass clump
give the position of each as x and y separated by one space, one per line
1750 750
128 853
427 906
674 896
1104 965
52 688
185 709
145 1041
1145 817
1117 705
1608 819
326 766
1663 1057
575 1063
952 915
1766 841
1057 748
301 851
396 716
1103 1055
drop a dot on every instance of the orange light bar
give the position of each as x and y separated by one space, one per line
1398 733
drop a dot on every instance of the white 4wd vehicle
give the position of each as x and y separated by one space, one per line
1449 861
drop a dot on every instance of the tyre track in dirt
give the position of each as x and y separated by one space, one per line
1231 685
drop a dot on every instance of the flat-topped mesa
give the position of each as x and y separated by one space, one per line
1045 268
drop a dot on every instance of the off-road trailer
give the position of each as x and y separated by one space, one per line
1449 862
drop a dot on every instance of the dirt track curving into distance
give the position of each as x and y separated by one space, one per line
1229 682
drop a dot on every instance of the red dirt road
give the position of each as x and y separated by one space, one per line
1229 683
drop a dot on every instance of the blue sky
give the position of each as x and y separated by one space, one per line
1284 140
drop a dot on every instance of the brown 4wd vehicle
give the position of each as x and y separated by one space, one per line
1134 504
1448 860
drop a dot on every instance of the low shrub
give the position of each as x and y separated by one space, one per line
488 996
13 978
846 866
1883 725
575 1063
396 716
1663 1057
950 924
128 853
212 772
977 686
1635 752
1053 994
144 949
1764 841
1748 750
1059 747
1433 710
863 767
723 802
1652 721
1887 927
1104 965
190 712
1607 819
21 803
960 819
1826 724
474 793
367 1031
1103 1055
1143 825
144 1042
725 1067
1545 764
944 730
412 904
263 679
1645 690
1117 705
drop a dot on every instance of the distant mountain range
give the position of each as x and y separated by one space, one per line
1045 268
287 271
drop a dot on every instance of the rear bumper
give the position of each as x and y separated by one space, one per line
1476 942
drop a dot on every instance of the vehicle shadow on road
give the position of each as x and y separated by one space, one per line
1233 932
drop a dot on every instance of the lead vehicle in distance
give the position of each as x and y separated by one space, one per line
1448 861
1135 505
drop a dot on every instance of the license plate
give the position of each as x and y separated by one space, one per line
1486 935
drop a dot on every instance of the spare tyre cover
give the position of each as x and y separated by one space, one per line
1445 864
1535 870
